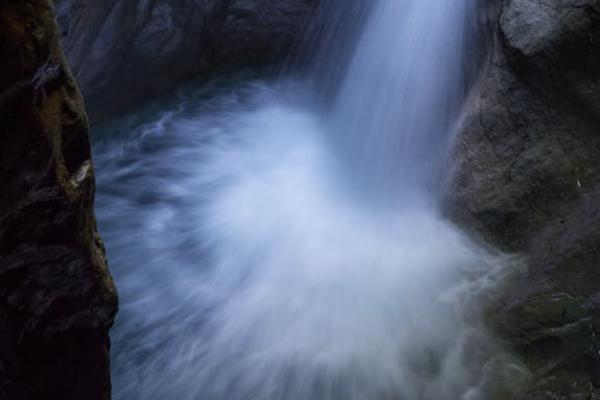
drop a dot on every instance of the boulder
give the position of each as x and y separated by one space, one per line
527 179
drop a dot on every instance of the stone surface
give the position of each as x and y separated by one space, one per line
124 51
527 178
57 300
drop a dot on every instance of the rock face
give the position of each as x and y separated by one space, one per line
57 300
528 180
123 51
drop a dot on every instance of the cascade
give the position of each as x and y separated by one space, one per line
267 249
402 92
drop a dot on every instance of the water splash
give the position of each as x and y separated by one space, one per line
247 269
266 250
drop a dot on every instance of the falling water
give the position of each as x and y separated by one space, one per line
266 250
402 92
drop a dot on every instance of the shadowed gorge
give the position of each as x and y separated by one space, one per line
299 200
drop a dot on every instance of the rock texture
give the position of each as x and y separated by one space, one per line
528 179
123 51
57 300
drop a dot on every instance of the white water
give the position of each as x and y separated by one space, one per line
403 90
266 251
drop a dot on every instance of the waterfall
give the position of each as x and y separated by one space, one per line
267 247
401 94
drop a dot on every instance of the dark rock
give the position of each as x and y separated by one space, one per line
124 51
57 300
527 178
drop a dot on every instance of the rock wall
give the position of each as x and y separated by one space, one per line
124 51
57 300
528 179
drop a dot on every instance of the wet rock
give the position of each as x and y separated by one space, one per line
527 178
57 300
124 51
553 44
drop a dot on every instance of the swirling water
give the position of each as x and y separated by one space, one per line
267 249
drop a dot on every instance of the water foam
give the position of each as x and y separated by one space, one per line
249 270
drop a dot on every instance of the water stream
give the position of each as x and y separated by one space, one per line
268 248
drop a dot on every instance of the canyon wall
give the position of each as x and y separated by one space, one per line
57 300
528 180
125 51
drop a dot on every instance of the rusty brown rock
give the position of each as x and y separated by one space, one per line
57 299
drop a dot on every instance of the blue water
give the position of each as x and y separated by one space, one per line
266 247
